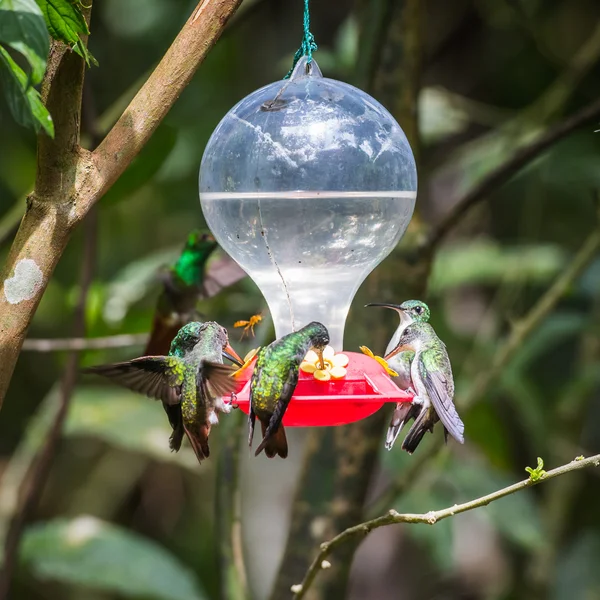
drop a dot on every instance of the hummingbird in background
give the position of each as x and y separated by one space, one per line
431 376
273 383
191 381
185 283
409 311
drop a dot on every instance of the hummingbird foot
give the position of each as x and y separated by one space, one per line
417 399
227 404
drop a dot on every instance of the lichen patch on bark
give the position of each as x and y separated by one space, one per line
24 284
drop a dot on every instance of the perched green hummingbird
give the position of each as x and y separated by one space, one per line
191 380
185 283
273 383
431 376
409 311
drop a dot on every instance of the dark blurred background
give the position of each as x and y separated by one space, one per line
494 73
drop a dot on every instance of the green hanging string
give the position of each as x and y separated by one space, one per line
308 45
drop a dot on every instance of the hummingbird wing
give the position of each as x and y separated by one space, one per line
221 273
216 377
158 377
435 371
287 391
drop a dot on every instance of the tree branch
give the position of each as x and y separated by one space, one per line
82 344
156 97
506 171
430 518
70 180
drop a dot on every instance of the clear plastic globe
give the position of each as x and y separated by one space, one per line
308 183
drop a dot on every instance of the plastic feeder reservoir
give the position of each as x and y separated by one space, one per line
309 183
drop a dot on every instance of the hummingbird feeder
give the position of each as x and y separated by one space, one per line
309 183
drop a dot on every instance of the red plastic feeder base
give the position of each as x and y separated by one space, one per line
362 392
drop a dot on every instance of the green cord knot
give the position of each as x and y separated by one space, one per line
308 45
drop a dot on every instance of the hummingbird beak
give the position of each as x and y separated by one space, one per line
383 305
396 350
321 359
232 355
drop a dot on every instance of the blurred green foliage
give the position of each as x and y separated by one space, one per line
486 66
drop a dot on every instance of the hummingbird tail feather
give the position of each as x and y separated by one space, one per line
199 441
415 434
403 412
176 438
274 444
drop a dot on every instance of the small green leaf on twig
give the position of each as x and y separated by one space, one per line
537 473
581 457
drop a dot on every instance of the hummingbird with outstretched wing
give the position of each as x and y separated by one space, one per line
191 381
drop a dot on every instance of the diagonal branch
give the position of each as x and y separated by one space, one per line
80 344
430 518
506 171
156 97
70 180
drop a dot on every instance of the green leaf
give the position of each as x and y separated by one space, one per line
125 420
23 100
486 262
66 23
537 473
89 552
22 28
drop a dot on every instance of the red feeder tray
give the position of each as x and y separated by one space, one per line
362 392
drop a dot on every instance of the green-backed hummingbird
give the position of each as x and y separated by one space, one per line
186 282
273 383
191 380
409 311
431 377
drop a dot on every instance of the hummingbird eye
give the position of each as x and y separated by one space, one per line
418 310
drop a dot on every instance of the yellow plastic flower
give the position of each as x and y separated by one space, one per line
335 364
247 360
380 360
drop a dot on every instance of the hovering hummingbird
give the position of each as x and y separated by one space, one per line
431 376
409 311
273 383
185 283
191 381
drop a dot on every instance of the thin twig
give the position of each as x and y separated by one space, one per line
80 344
430 518
506 171
520 332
